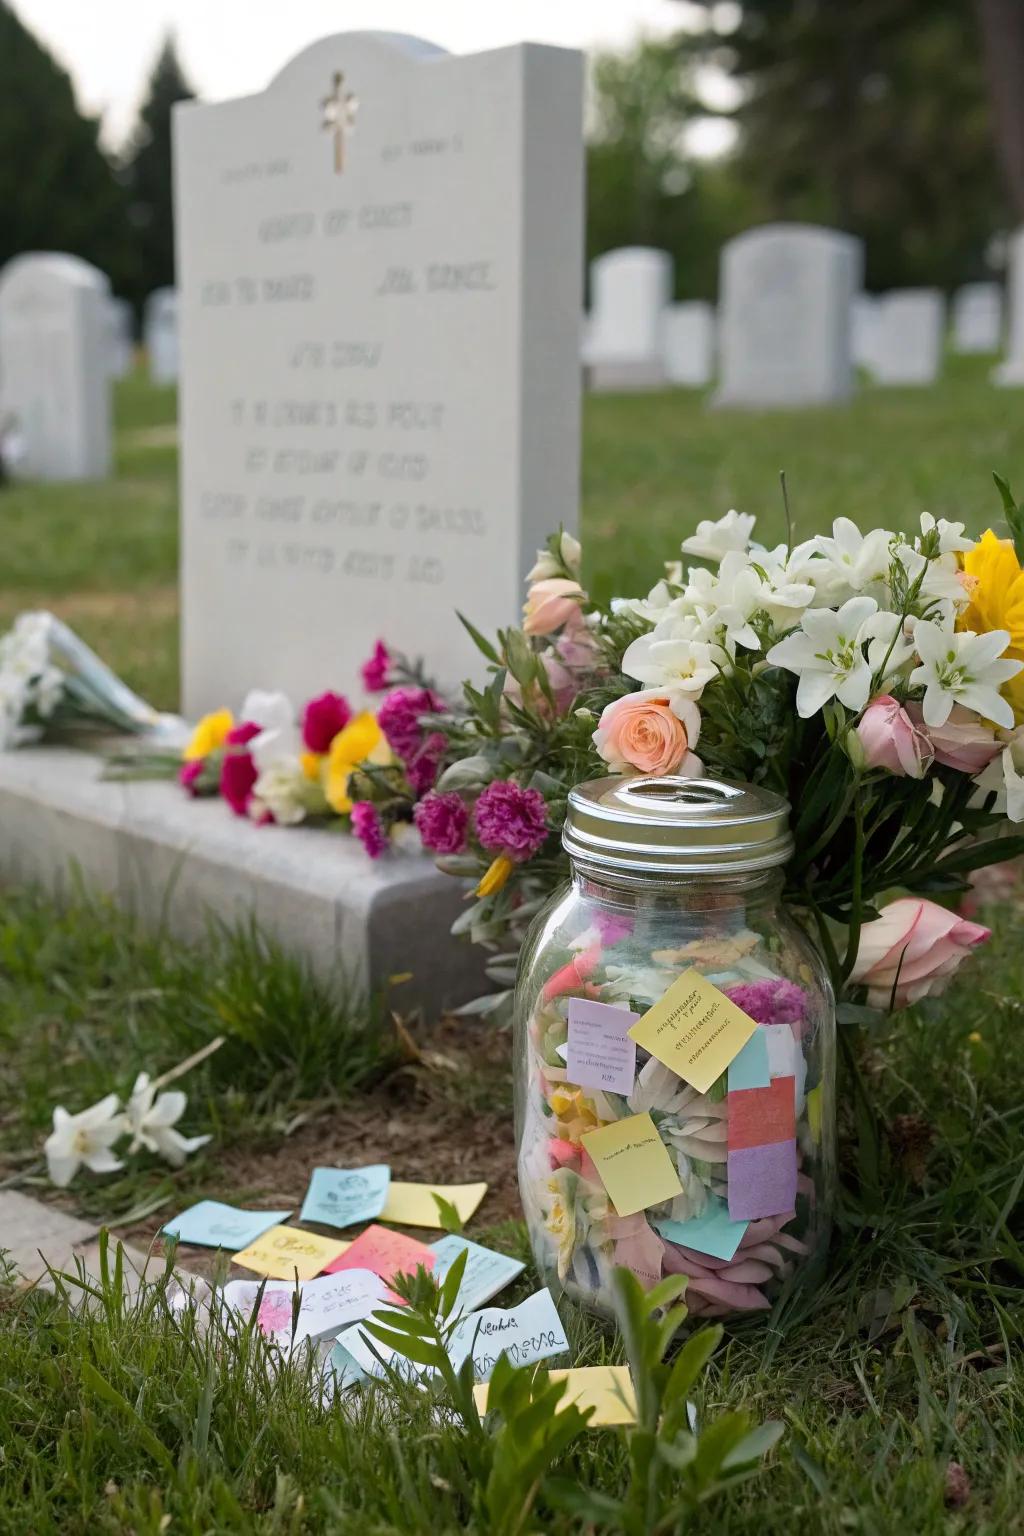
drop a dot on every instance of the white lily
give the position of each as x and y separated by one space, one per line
673 662
858 561
890 643
827 654
84 1138
151 1120
951 535
962 668
713 540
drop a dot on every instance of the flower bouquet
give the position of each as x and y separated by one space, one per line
875 680
53 686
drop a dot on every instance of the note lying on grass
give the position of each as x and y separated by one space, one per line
486 1272
413 1205
633 1164
600 1052
341 1197
283 1250
327 1304
714 1231
751 1067
694 1029
213 1225
386 1253
532 1331
608 1389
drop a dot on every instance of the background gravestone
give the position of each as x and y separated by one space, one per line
909 330
1011 370
688 343
160 335
863 318
784 316
379 266
120 338
54 377
630 290
978 318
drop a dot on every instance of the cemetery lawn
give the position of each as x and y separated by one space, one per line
118 1421
105 556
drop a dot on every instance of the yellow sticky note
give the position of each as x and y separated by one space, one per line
608 1389
283 1250
413 1205
694 1029
633 1164
814 1112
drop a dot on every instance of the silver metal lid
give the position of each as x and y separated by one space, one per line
676 826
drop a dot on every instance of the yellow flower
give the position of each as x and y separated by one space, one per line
561 1223
312 763
995 582
362 741
574 1113
496 876
209 734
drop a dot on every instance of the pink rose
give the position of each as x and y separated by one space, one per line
651 732
963 743
550 604
891 740
573 977
911 950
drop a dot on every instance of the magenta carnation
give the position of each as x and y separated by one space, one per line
441 821
377 671
422 770
237 777
323 718
399 718
242 733
367 827
770 1002
511 820
189 773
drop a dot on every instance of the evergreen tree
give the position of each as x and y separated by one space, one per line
147 173
58 191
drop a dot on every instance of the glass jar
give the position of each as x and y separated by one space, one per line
668 875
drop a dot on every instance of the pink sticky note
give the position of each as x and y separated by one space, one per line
762 1180
386 1253
601 1054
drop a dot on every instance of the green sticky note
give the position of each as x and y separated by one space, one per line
713 1232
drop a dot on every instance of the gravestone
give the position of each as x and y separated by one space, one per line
909 328
54 381
863 322
784 316
160 335
688 343
978 318
379 268
1011 370
120 338
630 290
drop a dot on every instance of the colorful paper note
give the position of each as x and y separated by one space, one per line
608 1389
486 1272
751 1067
343 1196
694 1029
213 1225
762 1180
600 1051
714 1231
327 1304
530 1332
386 1253
633 1164
760 1116
413 1205
782 1051
282 1251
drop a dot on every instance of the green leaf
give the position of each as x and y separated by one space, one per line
101 1388
754 1446
412 1349
449 1218
483 646
452 1281
1014 515
691 1361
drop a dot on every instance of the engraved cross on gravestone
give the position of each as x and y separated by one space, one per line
339 117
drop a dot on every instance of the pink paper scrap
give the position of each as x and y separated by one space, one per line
762 1181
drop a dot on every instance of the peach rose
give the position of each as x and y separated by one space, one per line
891 740
550 604
650 732
911 950
963 742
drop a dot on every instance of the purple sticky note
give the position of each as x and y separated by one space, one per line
762 1181
601 1054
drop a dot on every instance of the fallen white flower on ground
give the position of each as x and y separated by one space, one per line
151 1121
84 1138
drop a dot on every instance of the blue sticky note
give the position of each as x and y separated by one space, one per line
486 1272
213 1225
714 1232
750 1069
343 1196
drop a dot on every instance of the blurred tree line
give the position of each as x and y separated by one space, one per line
901 121
60 190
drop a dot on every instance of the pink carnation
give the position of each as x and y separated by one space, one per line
770 1002
367 827
377 671
399 718
422 770
441 821
322 719
189 773
242 733
238 775
511 820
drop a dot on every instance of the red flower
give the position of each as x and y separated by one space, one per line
323 718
